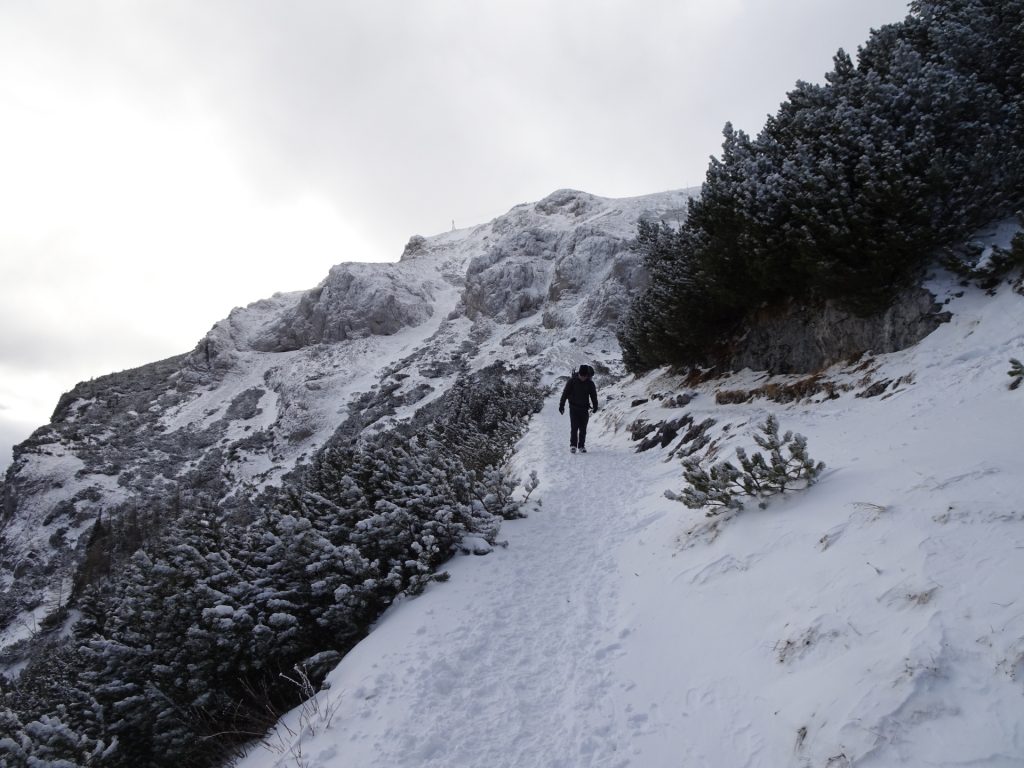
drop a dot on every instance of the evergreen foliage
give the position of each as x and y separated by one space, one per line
190 647
849 188
47 742
1016 372
50 717
721 487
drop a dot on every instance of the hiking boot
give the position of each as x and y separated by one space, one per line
582 449
572 449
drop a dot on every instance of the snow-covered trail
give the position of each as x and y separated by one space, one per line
873 621
510 662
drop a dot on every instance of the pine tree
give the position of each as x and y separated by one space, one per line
849 188
188 647
758 476
49 742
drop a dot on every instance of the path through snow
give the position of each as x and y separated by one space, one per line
509 663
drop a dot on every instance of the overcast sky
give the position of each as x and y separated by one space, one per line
163 161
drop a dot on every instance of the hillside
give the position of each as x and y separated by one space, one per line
271 383
872 620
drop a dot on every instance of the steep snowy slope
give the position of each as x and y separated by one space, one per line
873 620
273 381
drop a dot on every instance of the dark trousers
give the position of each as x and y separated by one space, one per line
578 418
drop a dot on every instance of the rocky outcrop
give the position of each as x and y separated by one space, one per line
568 257
355 300
507 281
803 339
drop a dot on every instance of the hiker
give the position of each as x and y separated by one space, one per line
581 393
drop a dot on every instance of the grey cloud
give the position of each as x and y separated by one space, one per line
407 114
84 349
422 110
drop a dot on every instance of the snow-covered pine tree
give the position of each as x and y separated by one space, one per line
715 489
850 186
35 729
779 473
48 742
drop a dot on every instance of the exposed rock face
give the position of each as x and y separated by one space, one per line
507 282
104 444
805 339
355 300
568 257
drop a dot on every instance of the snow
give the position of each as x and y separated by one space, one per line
58 470
873 620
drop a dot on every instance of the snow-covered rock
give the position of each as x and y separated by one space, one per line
355 300
567 256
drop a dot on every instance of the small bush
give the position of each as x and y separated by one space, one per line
721 487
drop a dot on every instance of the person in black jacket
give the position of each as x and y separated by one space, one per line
580 392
